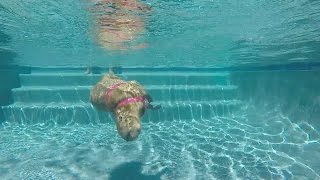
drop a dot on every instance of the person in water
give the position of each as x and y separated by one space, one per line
120 24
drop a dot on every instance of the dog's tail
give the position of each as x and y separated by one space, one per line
110 70
111 73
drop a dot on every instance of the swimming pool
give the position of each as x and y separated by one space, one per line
238 83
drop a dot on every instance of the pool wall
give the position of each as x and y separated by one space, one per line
296 93
9 77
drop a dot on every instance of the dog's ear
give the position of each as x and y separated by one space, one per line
142 110
119 94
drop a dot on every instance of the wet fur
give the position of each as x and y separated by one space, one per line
127 116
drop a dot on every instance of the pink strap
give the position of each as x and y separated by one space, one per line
133 100
109 91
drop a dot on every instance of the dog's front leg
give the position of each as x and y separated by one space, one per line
149 105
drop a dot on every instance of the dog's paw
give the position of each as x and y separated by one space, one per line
154 107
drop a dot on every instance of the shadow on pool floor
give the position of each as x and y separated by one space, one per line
132 171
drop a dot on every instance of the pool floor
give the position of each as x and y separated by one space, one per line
249 144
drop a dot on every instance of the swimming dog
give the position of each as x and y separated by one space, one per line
127 100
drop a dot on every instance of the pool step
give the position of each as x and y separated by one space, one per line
62 96
150 78
85 113
158 92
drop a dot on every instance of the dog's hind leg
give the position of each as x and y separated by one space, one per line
111 74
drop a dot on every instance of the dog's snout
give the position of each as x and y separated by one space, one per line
133 134
138 130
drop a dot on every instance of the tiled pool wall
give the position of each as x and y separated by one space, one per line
9 79
295 93
9 73
8 76
6 54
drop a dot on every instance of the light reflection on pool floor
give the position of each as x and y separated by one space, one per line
245 145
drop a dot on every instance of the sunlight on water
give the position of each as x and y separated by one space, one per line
178 33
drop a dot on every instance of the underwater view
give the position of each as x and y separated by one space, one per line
150 90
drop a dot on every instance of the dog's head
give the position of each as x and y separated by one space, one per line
128 125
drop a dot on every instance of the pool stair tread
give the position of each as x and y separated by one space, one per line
149 73
147 87
51 79
85 113
88 104
158 92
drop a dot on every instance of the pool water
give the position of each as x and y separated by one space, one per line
238 84
198 33
212 125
